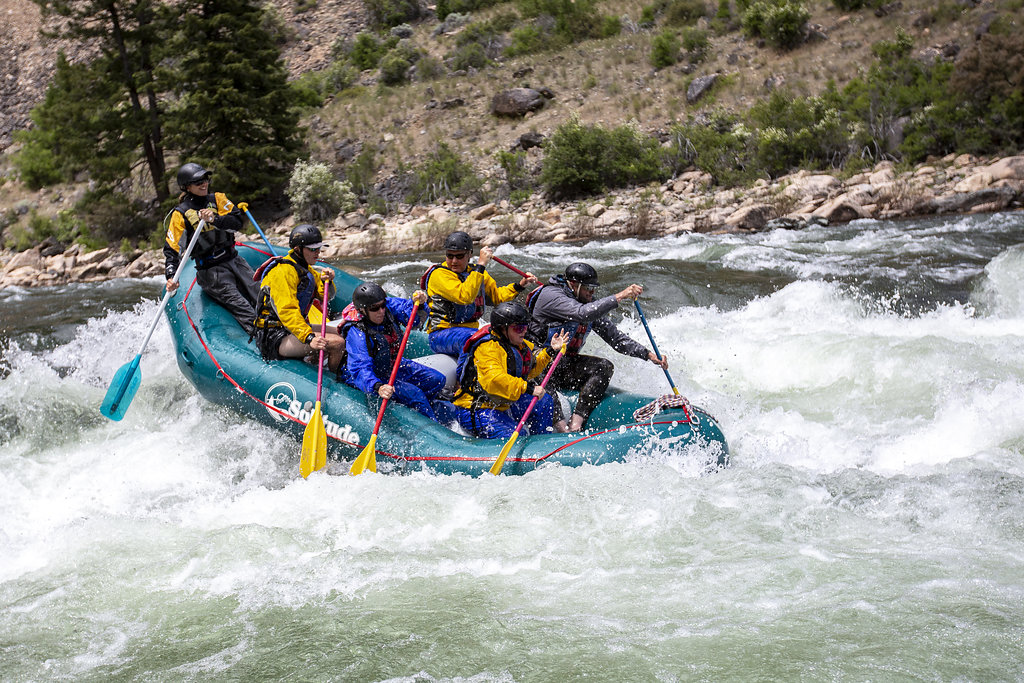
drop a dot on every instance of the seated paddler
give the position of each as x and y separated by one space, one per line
289 287
498 377
458 291
373 330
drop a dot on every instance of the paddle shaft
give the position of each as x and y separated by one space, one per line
654 344
398 362
509 266
323 333
256 225
177 276
543 385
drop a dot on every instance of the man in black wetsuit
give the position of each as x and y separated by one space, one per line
220 271
567 303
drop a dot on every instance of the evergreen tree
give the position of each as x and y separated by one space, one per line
127 33
232 108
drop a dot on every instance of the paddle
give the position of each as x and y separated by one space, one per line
500 462
128 378
245 209
314 440
653 344
509 266
367 458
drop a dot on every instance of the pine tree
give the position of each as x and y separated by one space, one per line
127 33
234 109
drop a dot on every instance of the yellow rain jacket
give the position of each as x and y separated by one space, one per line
492 382
457 299
287 291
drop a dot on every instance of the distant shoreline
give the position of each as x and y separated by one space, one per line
956 184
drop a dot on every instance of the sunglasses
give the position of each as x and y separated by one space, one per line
456 256
376 307
518 328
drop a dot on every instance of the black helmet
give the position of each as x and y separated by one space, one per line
581 272
191 173
306 235
459 241
367 294
509 313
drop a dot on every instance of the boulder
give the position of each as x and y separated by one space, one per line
699 87
516 102
812 186
1010 168
840 210
752 217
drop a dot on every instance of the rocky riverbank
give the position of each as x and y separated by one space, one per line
689 203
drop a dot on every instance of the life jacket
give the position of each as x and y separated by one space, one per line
445 310
379 338
214 245
266 314
579 331
519 364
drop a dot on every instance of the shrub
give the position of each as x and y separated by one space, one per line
611 26
527 40
696 42
316 194
664 49
366 51
468 56
575 20
36 163
849 5
339 76
793 131
717 146
779 22
429 68
393 69
583 159
388 13
443 174
684 12
517 176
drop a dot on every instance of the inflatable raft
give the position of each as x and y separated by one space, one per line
214 354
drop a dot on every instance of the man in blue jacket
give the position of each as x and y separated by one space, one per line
566 304
371 344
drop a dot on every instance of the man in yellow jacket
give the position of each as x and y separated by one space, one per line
457 293
288 288
497 374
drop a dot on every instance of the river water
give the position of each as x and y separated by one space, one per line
869 378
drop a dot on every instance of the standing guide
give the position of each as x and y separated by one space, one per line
221 273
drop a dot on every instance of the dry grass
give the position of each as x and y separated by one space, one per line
608 82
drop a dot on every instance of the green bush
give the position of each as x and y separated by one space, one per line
316 194
696 42
37 165
429 68
792 131
339 76
684 12
394 66
517 176
581 160
527 40
468 56
664 49
388 13
850 5
779 22
575 20
718 146
366 51
443 174
611 26
446 7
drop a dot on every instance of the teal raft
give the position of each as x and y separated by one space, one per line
214 355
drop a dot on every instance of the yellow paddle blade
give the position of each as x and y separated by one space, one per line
314 444
314 317
500 462
367 459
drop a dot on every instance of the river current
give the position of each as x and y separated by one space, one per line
870 381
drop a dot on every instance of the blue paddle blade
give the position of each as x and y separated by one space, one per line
122 390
